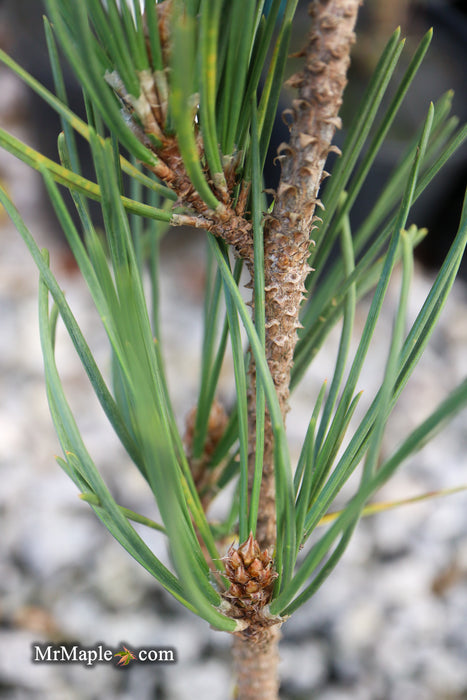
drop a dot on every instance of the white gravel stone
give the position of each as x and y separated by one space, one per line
207 681
303 666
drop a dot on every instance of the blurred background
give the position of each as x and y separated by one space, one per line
391 622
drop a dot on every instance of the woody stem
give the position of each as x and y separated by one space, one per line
256 666
287 239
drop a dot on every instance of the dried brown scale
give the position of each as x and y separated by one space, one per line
242 199
164 12
235 230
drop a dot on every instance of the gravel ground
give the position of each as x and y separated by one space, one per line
390 623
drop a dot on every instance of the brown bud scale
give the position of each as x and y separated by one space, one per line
252 580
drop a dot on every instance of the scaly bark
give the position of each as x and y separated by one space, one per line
256 661
287 234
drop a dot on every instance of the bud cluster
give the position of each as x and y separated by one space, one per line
251 575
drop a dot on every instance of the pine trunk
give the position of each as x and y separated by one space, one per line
256 664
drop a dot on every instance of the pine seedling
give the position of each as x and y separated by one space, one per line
181 97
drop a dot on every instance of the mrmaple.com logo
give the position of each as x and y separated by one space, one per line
99 653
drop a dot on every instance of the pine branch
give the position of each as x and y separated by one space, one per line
287 239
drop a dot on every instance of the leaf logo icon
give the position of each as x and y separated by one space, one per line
126 657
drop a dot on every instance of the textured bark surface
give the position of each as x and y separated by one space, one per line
287 235
256 664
